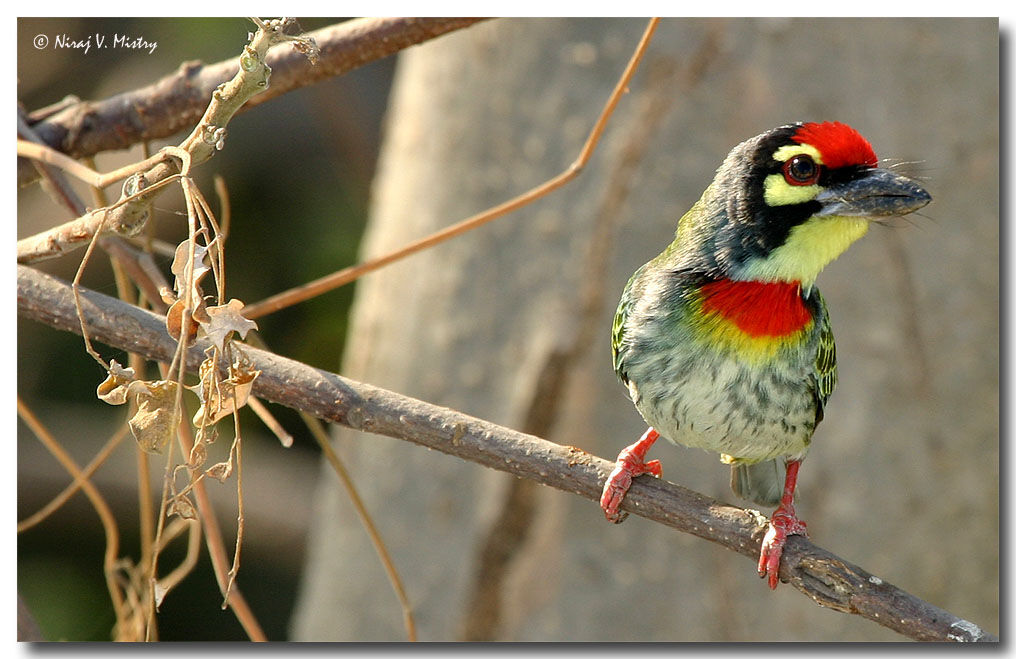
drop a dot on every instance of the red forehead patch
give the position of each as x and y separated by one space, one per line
839 144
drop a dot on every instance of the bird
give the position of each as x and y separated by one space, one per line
723 340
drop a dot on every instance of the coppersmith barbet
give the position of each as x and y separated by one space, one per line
723 340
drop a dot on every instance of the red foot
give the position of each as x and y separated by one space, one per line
783 522
630 463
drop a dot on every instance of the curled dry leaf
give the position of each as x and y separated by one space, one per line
224 319
114 388
205 434
220 398
179 267
220 471
167 296
206 383
198 455
174 320
182 506
154 424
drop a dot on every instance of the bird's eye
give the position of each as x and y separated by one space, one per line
801 170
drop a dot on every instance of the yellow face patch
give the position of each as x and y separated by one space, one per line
810 246
776 190
785 153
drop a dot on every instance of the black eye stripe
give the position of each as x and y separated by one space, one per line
827 176
842 174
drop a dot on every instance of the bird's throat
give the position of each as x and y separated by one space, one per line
758 309
810 247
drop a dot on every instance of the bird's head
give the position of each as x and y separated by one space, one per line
784 204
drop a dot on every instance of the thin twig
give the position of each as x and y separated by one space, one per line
346 275
190 561
146 503
138 265
222 191
153 596
69 236
89 227
98 502
75 485
822 576
237 450
55 183
316 429
214 540
44 153
270 422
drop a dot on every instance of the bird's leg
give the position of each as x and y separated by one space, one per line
783 522
630 463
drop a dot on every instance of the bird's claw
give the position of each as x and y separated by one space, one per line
783 523
627 467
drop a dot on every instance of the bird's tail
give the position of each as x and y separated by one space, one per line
761 482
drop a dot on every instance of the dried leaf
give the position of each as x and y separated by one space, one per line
179 267
174 319
198 455
243 382
206 383
167 296
229 396
220 471
225 319
154 424
206 434
182 506
113 389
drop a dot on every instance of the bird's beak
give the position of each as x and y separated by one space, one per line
879 193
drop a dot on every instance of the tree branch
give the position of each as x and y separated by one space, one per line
822 576
176 102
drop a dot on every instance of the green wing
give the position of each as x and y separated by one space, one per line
825 362
617 346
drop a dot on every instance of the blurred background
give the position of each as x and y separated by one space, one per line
903 475
318 147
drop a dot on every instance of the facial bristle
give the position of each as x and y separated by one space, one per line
839 144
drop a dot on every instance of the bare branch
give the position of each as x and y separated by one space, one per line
177 101
822 576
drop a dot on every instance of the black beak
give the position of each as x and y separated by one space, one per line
877 193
